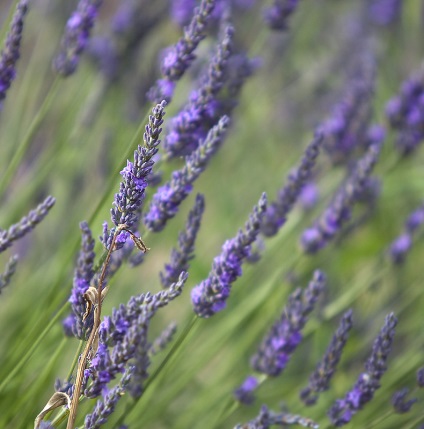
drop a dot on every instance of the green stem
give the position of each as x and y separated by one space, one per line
24 145
75 361
34 346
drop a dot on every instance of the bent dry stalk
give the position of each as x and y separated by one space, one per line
94 332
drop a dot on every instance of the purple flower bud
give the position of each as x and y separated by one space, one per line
210 296
420 377
244 393
399 402
11 51
384 12
181 256
167 199
75 39
400 247
285 335
320 379
368 382
278 14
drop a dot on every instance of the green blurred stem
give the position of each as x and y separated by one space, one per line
33 128
24 359
74 362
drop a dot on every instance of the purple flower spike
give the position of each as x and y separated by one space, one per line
277 211
278 14
320 379
166 201
181 256
182 11
210 296
244 393
8 272
405 112
339 211
384 12
195 119
403 243
128 201
83 275
285 335
26 224
10 53
178 58
162 341
75 39
268 418
399 402
368 382
106 406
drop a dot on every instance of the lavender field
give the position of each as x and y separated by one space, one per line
211 214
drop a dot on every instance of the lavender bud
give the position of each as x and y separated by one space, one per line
320 379
285 335
10 53
178 58
368 382
26 224
75 39
384 12
277 211
210 296
181 256
8 272
244 393
166 201
278 14
399 402
420 377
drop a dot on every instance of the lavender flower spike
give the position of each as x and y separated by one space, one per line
277 211
319 381
268 418
399 402
84 272
181 256
368 382
10 53
76 36
26 224
339 210
8 272
278 14
106 406
168 197
210 296
285 335
127 203
179 57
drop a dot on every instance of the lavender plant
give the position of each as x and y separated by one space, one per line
120 314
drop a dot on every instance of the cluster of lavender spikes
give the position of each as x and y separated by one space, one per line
368 382
194 120
10 54
277 16
76 36
166 201
210 296
403 243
